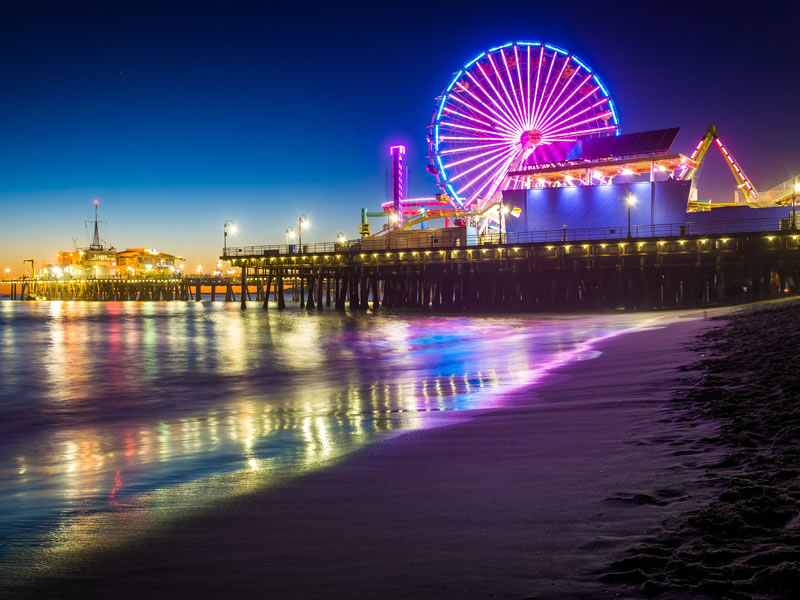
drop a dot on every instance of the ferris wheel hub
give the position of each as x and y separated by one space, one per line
530 138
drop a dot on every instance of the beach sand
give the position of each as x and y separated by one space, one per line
531 501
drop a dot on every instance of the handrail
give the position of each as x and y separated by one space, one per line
433 240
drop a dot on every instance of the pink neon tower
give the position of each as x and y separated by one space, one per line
398 181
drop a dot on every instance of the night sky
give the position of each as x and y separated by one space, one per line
178 117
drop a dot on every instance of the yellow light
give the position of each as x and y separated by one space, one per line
703 241
483 250
661 243
586 246
415 253
794 237
631 199
681 242
375 254
427 252
441 251
622 244
363 255
516 249
603 245
548 247
401 254
725 240
770 238
338 256
567 247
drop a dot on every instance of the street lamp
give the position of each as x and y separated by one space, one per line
289 234
631 202
302 222
341 239
225 235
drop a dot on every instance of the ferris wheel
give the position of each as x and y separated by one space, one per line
502 106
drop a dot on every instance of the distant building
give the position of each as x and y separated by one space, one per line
143 262
86 263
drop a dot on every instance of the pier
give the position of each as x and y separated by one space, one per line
657 267
653 267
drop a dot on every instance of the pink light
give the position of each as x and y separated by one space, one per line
544 87
593 118
500 123
480 164
547 104
496 162
470 128
504 117
482 154
594 130
400 150
514 104
575 115
470 148
535 106
447 109
546 118
564 87
504 107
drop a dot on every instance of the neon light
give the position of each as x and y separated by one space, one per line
503 85
480 87
483 115
548 115
509 128
561 91
452 83
577 60
556 49
400 149
474 60
471 148
613 111
478 129
463 116
494 89
600 85
463 160
570 126
551 122
502 152
441 107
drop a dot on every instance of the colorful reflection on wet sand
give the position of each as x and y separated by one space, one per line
117 416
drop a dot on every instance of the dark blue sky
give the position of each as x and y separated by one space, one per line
180 116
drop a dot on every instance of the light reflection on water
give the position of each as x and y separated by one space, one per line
116 415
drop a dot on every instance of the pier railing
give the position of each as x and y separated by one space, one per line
567 234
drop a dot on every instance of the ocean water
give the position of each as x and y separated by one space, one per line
118 417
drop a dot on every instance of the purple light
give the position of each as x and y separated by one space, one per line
486 115
399 149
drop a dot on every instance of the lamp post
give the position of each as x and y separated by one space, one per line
289 234
225 235
631 202
301 222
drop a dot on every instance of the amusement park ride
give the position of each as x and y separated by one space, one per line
529 115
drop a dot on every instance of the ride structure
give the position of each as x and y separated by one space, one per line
502 107
531 115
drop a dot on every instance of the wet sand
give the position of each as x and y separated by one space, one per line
533 501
